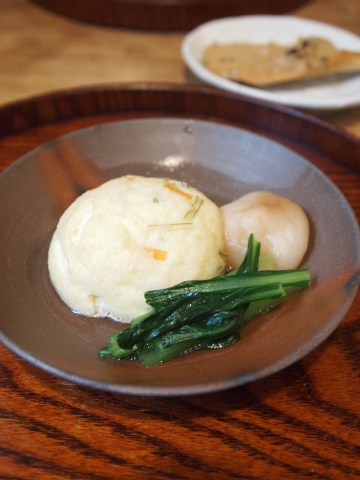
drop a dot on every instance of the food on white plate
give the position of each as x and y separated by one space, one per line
271 64
279 224
130 235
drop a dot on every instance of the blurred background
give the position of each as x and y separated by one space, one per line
42 50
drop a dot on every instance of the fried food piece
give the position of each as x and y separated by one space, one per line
272 64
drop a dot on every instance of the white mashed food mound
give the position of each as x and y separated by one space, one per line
130 235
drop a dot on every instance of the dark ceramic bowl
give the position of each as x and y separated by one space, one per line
224 162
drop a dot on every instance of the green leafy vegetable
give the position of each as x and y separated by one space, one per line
206 314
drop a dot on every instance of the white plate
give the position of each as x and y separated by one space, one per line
335 92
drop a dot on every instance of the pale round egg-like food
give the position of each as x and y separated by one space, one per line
130 235
279 224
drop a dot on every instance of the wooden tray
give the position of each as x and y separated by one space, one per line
29 123
300 422
163 14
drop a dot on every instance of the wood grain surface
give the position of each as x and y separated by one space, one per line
43 52
300 423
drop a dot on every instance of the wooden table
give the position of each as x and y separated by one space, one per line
302 422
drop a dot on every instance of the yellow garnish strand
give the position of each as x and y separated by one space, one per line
174 226
131 178
180 226
157 254
196 207
177 190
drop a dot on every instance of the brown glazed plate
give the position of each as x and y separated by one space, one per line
225 162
